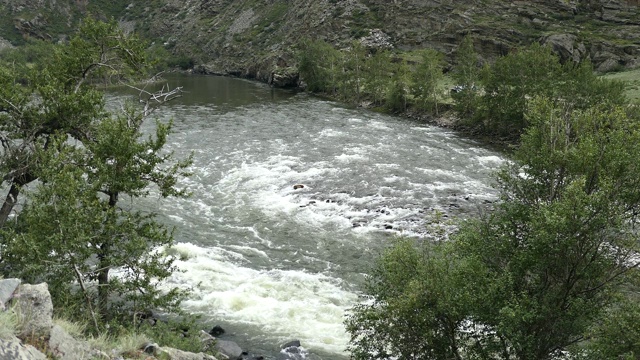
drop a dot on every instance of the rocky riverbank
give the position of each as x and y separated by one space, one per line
28 331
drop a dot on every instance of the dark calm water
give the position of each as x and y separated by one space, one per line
271 263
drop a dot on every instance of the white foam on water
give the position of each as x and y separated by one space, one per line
379 125
350 157
490 161
283 303
330 133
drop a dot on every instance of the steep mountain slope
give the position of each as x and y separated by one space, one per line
256 38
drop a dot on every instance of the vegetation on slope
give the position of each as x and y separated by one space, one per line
103 262
552 270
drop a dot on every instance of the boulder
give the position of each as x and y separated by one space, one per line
228 348
284 78
7 288
376 39
609 65
35 308
5 44
150 348
247 356
65 347
216 331
14 349
175 354
292 350
566 46
292 343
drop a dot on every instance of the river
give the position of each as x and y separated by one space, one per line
270 263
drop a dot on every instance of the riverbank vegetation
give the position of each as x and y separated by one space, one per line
488 100
75 161
551 270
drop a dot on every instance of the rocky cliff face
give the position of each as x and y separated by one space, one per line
255 38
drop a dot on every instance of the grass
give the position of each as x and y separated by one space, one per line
632 78
8 324
128 343
75 329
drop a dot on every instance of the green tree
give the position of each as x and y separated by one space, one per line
397 91
67 104
318 64
353 71
532 278
616 336
535 71
72 228
425 85
377 75
466 75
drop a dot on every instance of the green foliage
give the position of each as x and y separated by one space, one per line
466 76
33 53
377 75
397 92
319 64
161 59
513 80
352 76
72 232
183 334
617 337
426 80
532 278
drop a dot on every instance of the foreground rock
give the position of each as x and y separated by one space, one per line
33 309
13 349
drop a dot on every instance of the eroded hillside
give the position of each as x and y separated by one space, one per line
255 38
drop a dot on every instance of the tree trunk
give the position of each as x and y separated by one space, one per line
12 196
104 267
103 282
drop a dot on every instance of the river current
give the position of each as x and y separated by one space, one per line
271 263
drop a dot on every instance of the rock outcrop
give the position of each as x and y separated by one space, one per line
14 349
32 308
35 310
257 39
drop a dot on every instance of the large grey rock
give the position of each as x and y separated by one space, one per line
5 44
228 348
35 309
7 288
175 354
65 347
566 46
13 349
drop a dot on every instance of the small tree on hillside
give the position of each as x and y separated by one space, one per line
353 72
377 75
397 91
319 66
425 82
466 75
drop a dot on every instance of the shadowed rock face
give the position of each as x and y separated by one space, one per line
256 39
14 349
